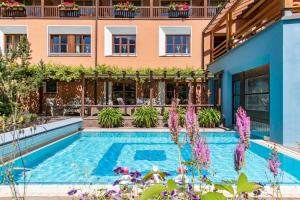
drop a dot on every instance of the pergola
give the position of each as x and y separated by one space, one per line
192 79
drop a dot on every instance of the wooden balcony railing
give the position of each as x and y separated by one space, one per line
108 12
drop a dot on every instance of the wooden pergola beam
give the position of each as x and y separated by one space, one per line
82 94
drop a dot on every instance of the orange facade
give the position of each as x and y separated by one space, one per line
147 41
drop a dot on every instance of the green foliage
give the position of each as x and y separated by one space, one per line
145 116
213 196
150 175
181 112
152 191
17 79
242 186
155 190
70 73
110 117
209 117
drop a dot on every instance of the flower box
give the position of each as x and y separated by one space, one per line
124 14
179 14
69 13
13 12
124 10
179 10
12 9
68 9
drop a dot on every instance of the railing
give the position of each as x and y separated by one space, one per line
51 11
108 12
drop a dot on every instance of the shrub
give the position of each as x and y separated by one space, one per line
181 112
110 117
145 117
209 117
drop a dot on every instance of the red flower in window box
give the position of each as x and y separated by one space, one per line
68 5
14 5
179 10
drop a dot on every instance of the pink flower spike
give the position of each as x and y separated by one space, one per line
239 157
202 152
274 162
243 126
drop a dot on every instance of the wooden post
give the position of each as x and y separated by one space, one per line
95 88
151 88
211 46
195 91
228 30
205 8
42 8
151 8
82 94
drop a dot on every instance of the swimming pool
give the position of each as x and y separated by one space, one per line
90 157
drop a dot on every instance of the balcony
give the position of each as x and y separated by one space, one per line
108 12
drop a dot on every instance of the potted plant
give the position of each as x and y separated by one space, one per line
179 10
68 9
124 10
12 9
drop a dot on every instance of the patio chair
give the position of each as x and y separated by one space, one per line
122 103
50 103
72 106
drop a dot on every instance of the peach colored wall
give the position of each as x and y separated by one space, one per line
38 38
147 42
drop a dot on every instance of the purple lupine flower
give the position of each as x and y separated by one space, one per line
192 196
109 193
135 174
72 192
202 152
118 170
173 121
116 182
243 126
274 162
164 194
83 196
239 156
191 122
121 170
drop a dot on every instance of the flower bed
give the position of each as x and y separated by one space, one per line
68 9
124 10
12 9
178 10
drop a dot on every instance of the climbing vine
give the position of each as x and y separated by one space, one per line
69 73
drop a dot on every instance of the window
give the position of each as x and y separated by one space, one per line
177 44
181 91
257 93
50 86
124 44
126 91
70 44
11 41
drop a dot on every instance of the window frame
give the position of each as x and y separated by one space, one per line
120 45
14 44
71 45
174 44
50 92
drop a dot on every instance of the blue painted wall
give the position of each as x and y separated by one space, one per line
266 48
291 81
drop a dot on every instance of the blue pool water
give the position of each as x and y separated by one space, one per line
90 157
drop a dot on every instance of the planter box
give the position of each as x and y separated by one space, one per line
124 14
13 12
179 14
69 13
